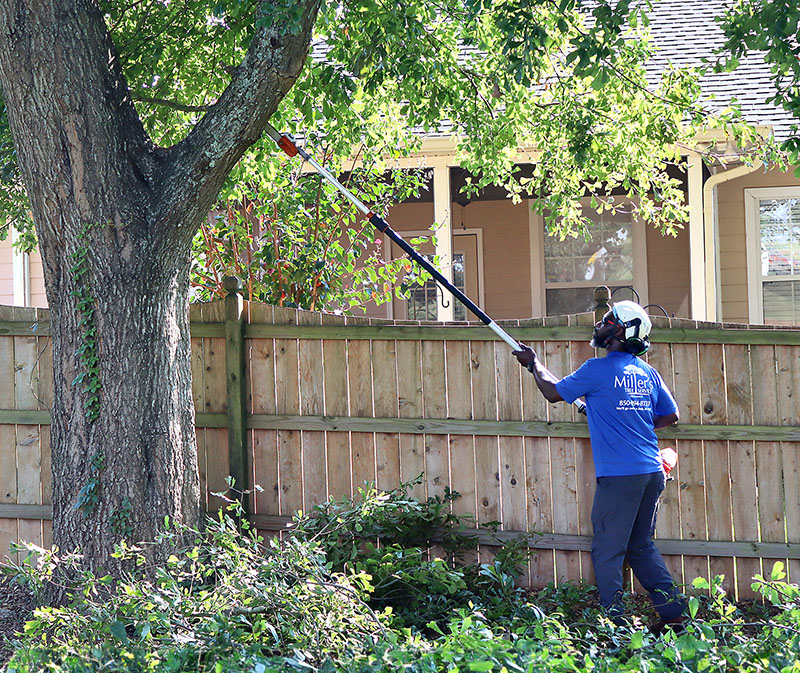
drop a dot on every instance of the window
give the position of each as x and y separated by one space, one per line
773 249
423 302
613 255
422 299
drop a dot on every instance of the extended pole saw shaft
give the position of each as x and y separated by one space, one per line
287 144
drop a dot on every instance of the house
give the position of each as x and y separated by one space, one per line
737 259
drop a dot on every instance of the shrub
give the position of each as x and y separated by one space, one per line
416 559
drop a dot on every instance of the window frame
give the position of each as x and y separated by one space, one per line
538 278
755 281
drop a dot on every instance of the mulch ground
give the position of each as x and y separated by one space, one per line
15 606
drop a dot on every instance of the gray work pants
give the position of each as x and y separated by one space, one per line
624 521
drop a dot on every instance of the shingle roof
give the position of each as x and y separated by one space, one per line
685 32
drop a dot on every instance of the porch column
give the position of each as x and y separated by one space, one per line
444 234
698 273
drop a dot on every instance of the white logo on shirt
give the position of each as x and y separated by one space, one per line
637 385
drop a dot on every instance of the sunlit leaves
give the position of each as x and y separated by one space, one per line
771 27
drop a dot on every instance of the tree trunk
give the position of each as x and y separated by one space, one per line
115 217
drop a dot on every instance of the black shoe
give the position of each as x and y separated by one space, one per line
677 624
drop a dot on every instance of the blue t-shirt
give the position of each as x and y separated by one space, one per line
623 394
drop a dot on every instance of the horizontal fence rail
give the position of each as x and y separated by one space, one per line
452 426
311 406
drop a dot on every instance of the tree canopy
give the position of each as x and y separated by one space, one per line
132 119
771 27
563 79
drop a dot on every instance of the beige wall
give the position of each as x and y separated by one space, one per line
506 255
732 238
668 272
6 273
38 297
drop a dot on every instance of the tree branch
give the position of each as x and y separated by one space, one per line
197 166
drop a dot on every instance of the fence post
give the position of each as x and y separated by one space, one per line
234 367
601 296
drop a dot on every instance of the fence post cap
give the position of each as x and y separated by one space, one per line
232 284
601 295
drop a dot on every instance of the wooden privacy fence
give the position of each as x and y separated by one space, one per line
310 406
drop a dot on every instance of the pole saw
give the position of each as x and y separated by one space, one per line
287 144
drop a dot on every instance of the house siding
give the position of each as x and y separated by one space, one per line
6 273
506 256
668 272
507 263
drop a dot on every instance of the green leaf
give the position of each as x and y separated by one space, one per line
117 629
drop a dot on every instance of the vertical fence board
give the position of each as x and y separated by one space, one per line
512 449
216 401
312 403
29 465
691 463
26 372
287 401
387 444
409 392
539 507
745 512
668 523
739 398
484 407
334 353
8 534
8 464
45 391
769 463
717 468
462 447
788 373
580 352
434 401
563 471
359 370
261 386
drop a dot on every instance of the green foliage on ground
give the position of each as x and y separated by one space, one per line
347 592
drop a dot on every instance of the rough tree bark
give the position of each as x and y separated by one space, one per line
115 216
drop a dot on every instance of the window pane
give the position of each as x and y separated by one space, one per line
564 301
782 302
607 255
460 281
780 236
423 299
569 300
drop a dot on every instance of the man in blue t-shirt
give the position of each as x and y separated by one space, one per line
626 401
